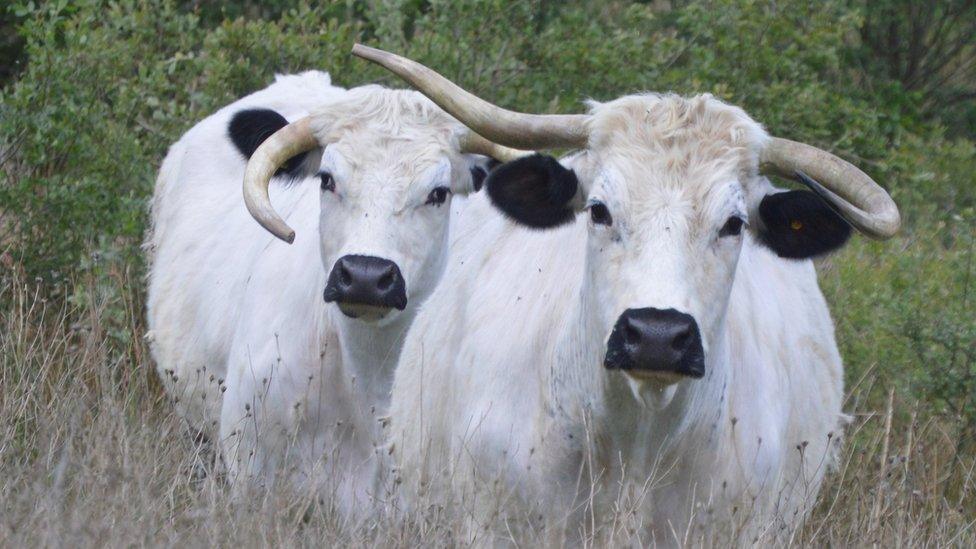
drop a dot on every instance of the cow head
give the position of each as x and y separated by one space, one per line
671 188
388 163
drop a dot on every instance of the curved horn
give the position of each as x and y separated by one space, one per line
293 139
510 128
858 199
471 142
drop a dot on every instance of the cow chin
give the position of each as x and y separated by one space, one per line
655 379
653 394
366 313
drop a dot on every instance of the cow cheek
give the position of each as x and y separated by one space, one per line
423 251
606 284
713 283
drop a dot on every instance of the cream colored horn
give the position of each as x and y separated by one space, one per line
509 128
293 139
471 142
858 199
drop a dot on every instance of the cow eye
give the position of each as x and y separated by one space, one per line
600 214
437 196
328 182
732 227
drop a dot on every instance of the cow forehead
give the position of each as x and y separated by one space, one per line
374 112
654 145
388 138
372 124
386 184
367 155
372 138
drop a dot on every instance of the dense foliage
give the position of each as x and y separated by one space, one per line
95 91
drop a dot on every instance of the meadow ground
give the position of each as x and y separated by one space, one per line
91 455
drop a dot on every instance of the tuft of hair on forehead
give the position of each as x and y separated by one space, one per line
693 132
388 112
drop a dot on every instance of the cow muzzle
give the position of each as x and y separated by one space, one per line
366 287
655 344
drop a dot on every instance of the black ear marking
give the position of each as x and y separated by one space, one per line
478 175
800 225
251 127
535 191
480 172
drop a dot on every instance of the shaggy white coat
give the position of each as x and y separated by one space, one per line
240 333
501 395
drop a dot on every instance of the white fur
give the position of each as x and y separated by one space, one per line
501 378
233 309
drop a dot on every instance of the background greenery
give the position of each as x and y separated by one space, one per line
94 92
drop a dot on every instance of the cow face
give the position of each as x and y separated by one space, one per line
669 191
384 220
386 179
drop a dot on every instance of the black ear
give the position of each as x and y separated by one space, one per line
480 171
249 128
478 175
800 225
535 191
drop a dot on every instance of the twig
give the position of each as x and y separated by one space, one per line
879 499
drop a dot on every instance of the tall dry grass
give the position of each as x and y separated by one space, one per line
91 455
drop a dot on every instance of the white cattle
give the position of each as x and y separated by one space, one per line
662 357
255 356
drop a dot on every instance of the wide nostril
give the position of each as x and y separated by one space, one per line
345 278
632 334
681 341
655 340
386 281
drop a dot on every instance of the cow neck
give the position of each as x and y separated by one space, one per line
370 353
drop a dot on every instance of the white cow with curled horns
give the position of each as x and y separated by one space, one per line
282 349
640 339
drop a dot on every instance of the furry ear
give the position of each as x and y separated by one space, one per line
249 128
480 171
800 225
478 175
535 191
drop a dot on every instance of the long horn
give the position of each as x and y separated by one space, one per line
861 201
293 139
509 128
471 142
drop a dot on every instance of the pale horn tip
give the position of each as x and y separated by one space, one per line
282 231
268 218
365 52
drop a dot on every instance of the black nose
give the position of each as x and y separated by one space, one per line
652 340
366 280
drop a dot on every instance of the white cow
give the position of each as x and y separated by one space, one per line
253 353
662 357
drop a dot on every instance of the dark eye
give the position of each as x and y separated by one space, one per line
600 214
732 227
328 183
437 196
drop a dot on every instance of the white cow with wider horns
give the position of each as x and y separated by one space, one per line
661 356
289 380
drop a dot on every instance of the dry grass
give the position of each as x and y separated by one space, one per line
91 455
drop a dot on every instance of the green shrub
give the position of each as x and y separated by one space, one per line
109 85
105 87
